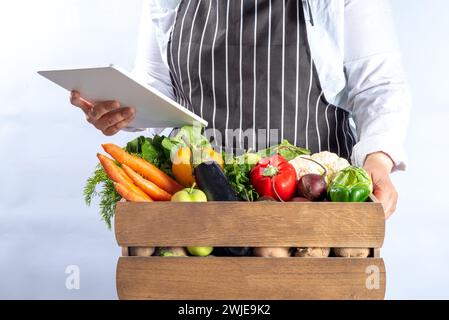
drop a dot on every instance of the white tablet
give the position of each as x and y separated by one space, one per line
154 110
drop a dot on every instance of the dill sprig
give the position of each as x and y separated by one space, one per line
108 196
109 199
90 189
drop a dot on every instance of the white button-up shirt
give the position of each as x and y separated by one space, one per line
355 50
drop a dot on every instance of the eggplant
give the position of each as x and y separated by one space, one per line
233 252
211 179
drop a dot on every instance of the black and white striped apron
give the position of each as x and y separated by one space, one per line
247 64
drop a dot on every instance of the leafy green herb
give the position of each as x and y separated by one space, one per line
108 196
135 146
238 173
152 150
90 189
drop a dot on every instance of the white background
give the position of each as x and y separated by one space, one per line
47 150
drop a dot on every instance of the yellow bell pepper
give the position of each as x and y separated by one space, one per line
182 166
209 154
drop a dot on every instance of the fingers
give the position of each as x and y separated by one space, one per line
393 201
114 129
114 121
386 193
100 109
379 165
107 116
94 111
77 101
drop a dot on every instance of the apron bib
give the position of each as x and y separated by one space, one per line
246 67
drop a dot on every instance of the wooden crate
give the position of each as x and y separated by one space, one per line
165 224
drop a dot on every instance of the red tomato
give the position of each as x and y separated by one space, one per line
274 177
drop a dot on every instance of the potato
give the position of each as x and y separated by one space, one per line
272 252
141 252
351 252
312 252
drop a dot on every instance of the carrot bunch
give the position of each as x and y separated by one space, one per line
137 180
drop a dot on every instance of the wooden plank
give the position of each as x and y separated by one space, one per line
125 251
166 224
376 253
250 279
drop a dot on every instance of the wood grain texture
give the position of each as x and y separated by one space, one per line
376 253
125 251
166 224
248 278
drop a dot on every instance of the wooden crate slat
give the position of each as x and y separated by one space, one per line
125 251
357 225
248 278
376 253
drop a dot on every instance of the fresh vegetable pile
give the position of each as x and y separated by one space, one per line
147 169
185 168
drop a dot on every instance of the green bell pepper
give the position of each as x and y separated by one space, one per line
351 185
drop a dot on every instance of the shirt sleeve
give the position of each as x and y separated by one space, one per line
378 93
150 65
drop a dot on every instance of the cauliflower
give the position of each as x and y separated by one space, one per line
331 161
303 166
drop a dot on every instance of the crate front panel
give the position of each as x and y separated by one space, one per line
167 224
250 279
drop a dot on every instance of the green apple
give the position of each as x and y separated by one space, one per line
189 195
193 195
200 251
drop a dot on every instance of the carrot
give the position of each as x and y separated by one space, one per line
116 174
129 194
148 187
144 168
